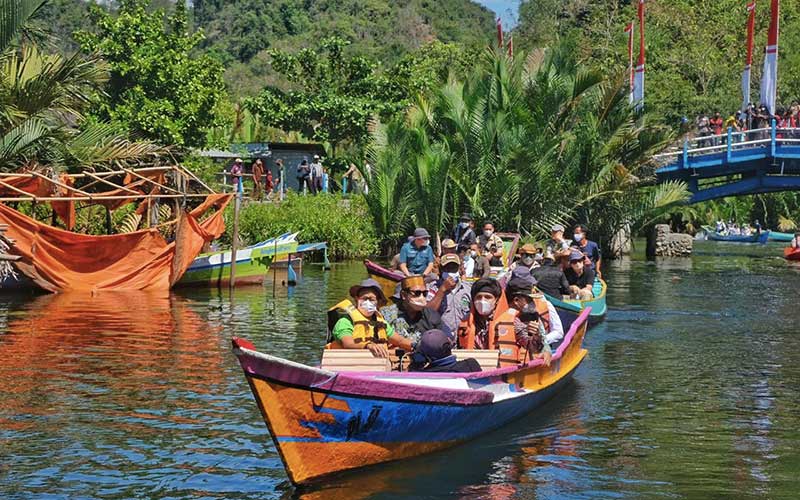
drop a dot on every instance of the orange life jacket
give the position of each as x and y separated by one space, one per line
501 332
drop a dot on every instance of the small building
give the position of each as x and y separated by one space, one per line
291 153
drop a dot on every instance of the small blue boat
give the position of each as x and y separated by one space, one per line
761 237
569 310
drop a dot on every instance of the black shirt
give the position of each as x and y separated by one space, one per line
587 278
551 280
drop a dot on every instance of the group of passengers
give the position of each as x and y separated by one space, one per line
436 299
712 129
733 229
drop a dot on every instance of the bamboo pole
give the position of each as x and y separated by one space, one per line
61 184
151 181
191 174
29 197
104 181
24 193
235 239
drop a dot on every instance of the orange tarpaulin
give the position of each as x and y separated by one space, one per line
59 260
36 186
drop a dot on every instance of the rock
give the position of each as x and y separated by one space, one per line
664 243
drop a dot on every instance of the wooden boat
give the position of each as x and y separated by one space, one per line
735 238
324 421
782 237
790 253
568 310
252 263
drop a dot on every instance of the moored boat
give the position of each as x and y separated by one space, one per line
761 237
782 237
790 253
252 263
323 421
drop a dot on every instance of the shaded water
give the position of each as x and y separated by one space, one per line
690 390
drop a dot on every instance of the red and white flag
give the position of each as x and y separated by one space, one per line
499 33
751 23
629 31
769 80
638 81
511 46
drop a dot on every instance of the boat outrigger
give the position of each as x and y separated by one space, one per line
331 419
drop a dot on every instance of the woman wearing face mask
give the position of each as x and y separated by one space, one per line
410 315
362 326
478 331
527 257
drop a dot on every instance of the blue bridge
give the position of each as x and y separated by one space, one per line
736 163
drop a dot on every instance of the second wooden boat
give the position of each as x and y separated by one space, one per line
252 263
324 421
569 309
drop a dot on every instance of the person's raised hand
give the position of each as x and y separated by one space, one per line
449 284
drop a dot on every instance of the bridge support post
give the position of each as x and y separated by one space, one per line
685 156
730 145
773 138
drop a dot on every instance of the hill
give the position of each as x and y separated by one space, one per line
240 32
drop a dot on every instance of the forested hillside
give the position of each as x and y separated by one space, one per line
239 33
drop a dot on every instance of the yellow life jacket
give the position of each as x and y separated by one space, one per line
364 329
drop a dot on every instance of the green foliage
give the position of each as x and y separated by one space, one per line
695 50
523 142
158 87
343 223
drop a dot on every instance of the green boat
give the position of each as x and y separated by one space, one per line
568 310
252 263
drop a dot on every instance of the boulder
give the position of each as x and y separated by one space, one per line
664 243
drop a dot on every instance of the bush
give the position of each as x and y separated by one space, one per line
344 223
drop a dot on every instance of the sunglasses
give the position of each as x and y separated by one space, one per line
528 255
416 293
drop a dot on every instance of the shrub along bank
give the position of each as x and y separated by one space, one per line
343 222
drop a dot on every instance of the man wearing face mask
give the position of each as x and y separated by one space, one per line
416 256
491 245
527 257
362 326
557 244
409 315
478 331
588 248
464 235
452 299
475 264
535 321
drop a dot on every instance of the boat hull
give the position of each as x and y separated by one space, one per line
782 237
792 254
252 264
324 423
755 238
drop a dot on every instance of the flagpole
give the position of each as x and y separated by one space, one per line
499 33
638 89
769 78
751 22
629 31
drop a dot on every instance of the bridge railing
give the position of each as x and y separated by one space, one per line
729 142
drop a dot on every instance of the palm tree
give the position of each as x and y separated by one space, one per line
42 99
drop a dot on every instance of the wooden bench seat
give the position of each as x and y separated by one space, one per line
353 360
487 359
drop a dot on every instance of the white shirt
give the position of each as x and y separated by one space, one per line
469 266
556 333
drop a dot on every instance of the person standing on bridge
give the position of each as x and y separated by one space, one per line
703 130
716 128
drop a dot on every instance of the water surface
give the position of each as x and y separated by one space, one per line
690 390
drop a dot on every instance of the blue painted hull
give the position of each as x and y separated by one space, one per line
755 238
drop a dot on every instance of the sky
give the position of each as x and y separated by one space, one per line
505 9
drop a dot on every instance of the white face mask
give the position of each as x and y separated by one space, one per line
368 306
488 233
484 307
527 261
577 236
473 253
419 301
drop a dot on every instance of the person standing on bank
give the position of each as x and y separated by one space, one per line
316 175
258 174
236 175
303 176
416 255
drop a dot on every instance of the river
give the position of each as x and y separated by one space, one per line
690 390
